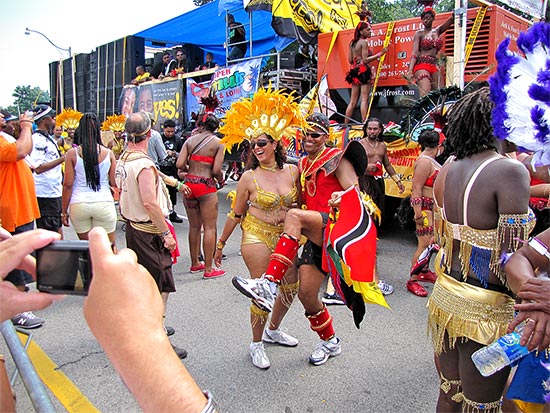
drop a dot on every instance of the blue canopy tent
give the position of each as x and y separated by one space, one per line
205 28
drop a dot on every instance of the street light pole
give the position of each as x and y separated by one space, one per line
29 31
68 50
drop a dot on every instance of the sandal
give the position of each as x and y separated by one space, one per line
414 287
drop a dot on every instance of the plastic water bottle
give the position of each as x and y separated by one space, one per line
500 353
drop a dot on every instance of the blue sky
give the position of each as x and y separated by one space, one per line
81 25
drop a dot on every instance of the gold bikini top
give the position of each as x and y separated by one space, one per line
270 201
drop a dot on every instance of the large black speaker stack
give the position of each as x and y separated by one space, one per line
92 82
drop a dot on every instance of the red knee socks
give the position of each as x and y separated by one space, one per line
321 323
282 257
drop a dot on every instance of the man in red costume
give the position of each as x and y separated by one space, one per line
324 174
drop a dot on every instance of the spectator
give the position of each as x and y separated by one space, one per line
18 203
144 205
46 161
164 67
208 62
90 169
236 39
167 166
155 147
142 76
182 64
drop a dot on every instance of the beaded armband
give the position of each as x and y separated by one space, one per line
512 231
416 200
231 214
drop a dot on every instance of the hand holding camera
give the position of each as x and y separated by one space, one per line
15 254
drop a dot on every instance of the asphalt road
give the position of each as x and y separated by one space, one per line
385 366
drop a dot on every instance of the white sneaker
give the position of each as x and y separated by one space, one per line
258 289
259 358
279 337
385 287
324 350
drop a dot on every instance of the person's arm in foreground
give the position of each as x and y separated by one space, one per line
144 358
534 292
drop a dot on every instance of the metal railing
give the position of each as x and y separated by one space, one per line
32 382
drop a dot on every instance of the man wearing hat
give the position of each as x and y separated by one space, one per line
46 160
324 172
18 205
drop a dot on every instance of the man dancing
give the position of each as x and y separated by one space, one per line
324 174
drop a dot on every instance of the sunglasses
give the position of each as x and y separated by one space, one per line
314 135
260 142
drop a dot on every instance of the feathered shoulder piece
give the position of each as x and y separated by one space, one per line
520 89
114 123
429 111
69 118
268 111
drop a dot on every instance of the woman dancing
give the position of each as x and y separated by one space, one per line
360 73
427 42
426 169
265 192
201 160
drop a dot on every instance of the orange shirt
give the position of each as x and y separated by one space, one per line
18 204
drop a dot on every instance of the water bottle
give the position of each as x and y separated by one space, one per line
500 353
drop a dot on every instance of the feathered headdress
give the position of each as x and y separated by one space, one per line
268 111
114 123
428 6
210 103
520 90
69 118
364 13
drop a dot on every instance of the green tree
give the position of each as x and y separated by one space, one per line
391 10
26 97
199 3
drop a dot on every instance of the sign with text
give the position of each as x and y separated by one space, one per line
229 84
534 8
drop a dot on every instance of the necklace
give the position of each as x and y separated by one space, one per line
373 146
306 172
271 168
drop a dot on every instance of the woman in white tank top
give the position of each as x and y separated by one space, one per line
89 176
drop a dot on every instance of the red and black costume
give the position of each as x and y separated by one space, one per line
359 73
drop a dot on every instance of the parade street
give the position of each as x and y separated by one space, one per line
385 366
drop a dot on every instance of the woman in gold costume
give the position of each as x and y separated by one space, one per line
264 194
481 217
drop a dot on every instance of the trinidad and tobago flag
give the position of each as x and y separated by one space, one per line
351 254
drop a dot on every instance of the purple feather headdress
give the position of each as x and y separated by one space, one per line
520 90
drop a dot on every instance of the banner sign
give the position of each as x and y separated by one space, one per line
164 99
534 8
301 18
229 84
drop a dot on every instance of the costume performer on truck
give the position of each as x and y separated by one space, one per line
427 43
360 74
324 174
